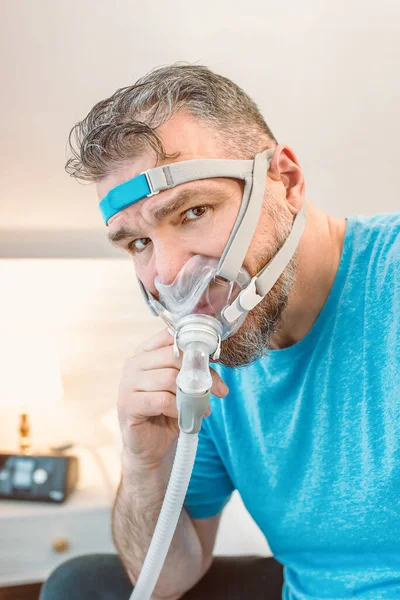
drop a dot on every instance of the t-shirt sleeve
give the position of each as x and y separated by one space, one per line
210 486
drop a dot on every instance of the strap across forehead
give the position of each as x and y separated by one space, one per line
157 180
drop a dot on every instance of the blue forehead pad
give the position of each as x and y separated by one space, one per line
124 195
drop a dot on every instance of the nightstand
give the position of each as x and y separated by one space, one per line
37 537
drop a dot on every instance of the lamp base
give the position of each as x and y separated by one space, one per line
24 431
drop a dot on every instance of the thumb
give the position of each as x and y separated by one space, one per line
219 387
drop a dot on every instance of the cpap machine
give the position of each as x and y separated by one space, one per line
206 304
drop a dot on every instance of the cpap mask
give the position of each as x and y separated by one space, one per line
198 289
206 303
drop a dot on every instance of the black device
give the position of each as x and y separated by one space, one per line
38 477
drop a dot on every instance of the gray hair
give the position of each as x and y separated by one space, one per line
120 127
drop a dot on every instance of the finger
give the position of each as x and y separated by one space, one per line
219 387
159 359
165 380
152 404
158 380
161 339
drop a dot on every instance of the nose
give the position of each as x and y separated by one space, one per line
167 260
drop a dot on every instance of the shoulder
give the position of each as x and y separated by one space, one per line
376 244
375 271
379 233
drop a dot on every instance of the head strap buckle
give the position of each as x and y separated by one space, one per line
152 192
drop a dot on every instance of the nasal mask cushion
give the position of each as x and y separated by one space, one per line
219 287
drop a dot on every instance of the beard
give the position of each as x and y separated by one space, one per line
252 340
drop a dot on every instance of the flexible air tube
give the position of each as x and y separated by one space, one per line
169 516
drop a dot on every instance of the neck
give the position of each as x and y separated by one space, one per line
318 260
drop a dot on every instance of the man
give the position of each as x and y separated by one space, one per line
305 417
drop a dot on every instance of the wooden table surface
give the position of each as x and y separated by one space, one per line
21 592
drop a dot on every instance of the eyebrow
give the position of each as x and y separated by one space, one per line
163 211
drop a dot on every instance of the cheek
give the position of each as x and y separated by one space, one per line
220 230
207 238
147 275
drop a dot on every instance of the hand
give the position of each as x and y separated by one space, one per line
147 410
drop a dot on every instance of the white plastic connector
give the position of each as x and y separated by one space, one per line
198 336
246 301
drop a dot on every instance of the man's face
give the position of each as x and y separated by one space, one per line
162 232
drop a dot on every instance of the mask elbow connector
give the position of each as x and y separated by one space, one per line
198 336
191 410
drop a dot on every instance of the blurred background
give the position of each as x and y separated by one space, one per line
326 77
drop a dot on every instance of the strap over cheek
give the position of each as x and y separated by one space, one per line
265 279
248 216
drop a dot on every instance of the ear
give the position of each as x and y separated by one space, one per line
285 168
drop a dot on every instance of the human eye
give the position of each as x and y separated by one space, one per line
139 245
192 214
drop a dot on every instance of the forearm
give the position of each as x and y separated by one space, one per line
136 510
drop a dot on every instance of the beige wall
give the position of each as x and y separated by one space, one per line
325 74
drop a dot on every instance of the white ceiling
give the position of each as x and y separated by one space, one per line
325 74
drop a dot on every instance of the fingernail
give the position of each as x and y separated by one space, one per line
223 389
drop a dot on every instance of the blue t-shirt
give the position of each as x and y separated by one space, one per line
310 434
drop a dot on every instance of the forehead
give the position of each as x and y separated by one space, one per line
183 137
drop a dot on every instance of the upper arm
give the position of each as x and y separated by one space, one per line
206 530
